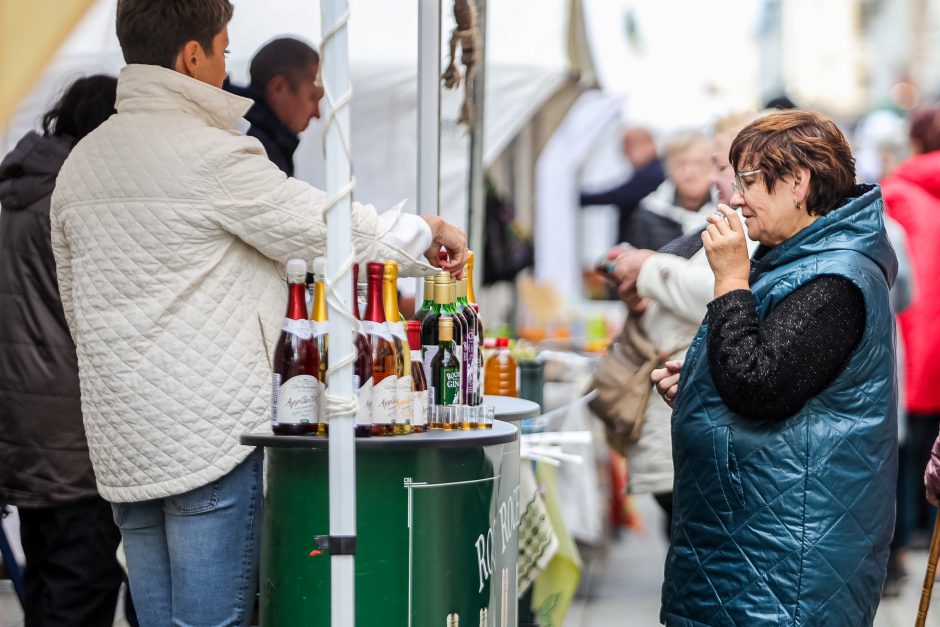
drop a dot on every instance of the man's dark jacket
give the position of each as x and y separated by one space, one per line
42 439
627 196
279 141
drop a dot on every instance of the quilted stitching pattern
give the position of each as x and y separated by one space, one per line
168 232
795 531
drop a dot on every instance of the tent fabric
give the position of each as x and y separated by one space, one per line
30 34
526 63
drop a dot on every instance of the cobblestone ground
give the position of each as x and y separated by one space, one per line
621 587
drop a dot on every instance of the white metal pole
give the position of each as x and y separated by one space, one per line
342 447
429 110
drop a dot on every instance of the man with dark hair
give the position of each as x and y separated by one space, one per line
287 96
170 233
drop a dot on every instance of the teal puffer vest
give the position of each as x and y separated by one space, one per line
788 522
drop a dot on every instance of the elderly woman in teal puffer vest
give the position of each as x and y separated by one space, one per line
784 412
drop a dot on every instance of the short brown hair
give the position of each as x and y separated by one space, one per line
286 57
780 143
154 31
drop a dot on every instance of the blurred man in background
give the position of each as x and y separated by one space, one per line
287 97
648 174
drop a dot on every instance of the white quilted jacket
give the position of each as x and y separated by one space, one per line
169 232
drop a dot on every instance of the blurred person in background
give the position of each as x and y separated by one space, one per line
912 198
668 292
639 147
681 203
784 421
170 233
287 97
67 531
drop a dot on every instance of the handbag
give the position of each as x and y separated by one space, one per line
623 385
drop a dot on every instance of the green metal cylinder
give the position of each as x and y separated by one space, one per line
437 530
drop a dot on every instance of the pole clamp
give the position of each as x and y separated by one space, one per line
337 545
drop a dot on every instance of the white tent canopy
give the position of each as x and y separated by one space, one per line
526 63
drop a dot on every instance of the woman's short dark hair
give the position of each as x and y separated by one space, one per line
86 103
780 143
154 31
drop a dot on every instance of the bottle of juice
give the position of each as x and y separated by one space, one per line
393 320
296 388
501 369
384 406
420 395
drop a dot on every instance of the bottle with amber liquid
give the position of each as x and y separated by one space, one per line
296 387
362 368
393 320
320 329
384 405
445 369
420 395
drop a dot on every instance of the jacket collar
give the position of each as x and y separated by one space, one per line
155 89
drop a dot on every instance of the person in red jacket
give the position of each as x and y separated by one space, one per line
912 198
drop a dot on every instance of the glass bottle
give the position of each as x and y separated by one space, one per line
460 328
362 369
295 395
501 370
320 329
445 369
420 394
393 319
429 325
384 406
471 377
428 299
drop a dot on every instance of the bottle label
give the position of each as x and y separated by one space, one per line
416 356
300 328
469 359
397 329
364 396
420 408
430 350
275 388
450 386
384 401
319 329
297 400
405 399
378 329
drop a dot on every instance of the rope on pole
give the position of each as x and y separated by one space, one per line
339 405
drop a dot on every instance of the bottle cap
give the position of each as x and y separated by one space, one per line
442 278
445 322
502 342
375 269
391 270
319 268
413 325
297 268
470 259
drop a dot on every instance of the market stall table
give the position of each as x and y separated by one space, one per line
438 517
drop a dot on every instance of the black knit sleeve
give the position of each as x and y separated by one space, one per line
769 369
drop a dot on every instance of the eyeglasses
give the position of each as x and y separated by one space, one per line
739 186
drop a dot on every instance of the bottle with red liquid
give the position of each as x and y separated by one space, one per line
384 401
420 395
296 387
362 369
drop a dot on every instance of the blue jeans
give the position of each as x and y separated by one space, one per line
192 559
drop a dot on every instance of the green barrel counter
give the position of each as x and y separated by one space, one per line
437 529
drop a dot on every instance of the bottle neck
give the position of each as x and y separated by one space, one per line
445 337
374 309
319 302
440 294
297 301
469 273
390 300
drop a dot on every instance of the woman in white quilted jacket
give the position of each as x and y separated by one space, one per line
169 231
